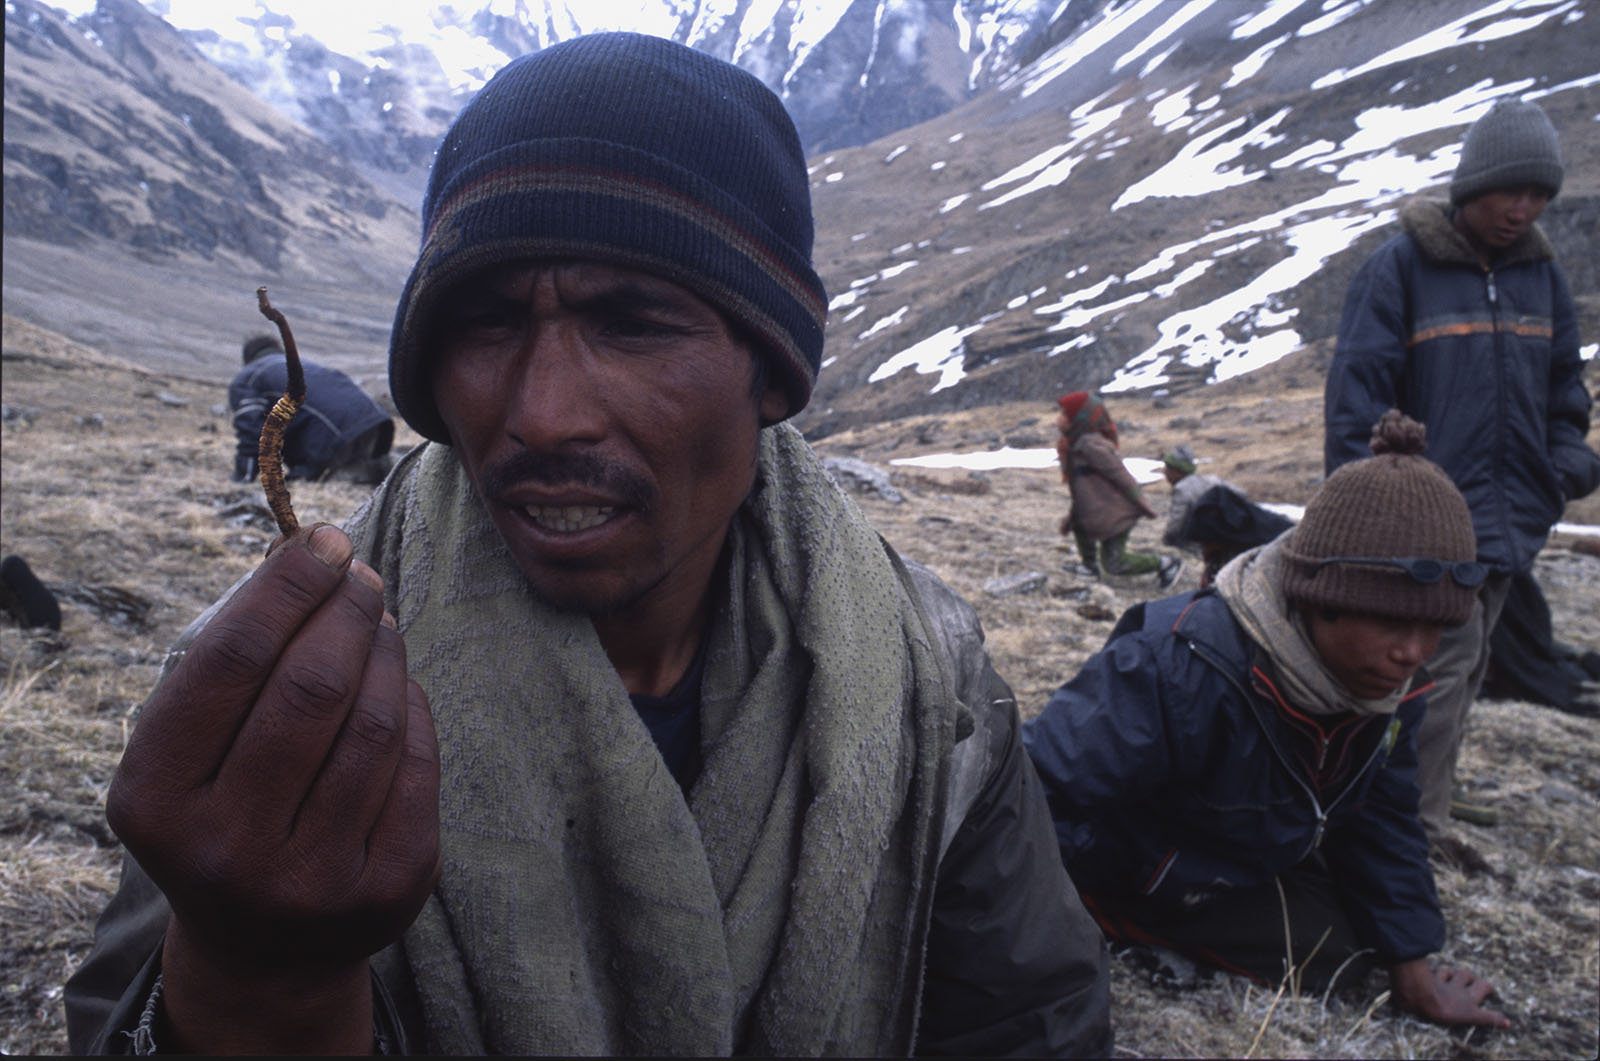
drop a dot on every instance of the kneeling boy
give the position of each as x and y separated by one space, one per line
1237 764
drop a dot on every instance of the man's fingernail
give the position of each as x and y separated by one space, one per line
366 576
329 544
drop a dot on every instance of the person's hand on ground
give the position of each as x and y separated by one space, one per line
1444 994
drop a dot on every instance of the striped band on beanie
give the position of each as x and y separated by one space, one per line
634 151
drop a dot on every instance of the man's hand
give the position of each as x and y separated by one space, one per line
282 788
1445 995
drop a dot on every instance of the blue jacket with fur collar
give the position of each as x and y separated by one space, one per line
1486 358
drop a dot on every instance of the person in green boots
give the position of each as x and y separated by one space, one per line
1106 500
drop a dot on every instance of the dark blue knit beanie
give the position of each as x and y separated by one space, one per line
632 150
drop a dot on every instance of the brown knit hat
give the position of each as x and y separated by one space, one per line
1396 504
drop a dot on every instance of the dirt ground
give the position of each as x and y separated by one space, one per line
114 483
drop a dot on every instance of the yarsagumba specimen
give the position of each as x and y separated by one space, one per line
271 455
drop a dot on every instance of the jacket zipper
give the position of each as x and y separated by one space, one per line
1311 794
1500 405
1359 774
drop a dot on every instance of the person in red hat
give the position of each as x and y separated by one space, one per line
1106 500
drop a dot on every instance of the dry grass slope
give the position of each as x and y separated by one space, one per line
115 489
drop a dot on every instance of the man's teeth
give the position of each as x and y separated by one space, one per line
568 518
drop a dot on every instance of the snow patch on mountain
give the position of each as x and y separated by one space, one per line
1372 169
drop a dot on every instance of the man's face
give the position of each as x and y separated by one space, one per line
1495 220
606 418
1372 656
1172 474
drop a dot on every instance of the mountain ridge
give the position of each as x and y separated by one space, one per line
1164 195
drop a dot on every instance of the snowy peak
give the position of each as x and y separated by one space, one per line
384 91
1137 195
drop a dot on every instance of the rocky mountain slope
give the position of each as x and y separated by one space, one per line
147 194
1166 194
1158 205
149 146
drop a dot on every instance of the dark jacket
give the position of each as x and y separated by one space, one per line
1015 966
1175 771
1487 359
335 413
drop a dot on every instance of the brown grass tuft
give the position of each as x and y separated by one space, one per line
115 490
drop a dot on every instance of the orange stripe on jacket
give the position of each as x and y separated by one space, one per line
1445 331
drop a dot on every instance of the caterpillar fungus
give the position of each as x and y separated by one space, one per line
270 457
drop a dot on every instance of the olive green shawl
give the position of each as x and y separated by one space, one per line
586 906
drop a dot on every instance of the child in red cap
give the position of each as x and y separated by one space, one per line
1106 501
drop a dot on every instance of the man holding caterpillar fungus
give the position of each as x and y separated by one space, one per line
611 726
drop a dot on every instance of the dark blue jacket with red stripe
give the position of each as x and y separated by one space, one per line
1173 769
1486 358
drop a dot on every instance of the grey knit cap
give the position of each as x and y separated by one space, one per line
1513 144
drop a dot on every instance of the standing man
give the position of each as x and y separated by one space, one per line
1465 322
609 725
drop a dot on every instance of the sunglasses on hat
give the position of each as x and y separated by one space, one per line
1422 569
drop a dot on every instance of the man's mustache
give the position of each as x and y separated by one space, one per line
569 469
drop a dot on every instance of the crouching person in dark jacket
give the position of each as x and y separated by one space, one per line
1238 763
339 430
